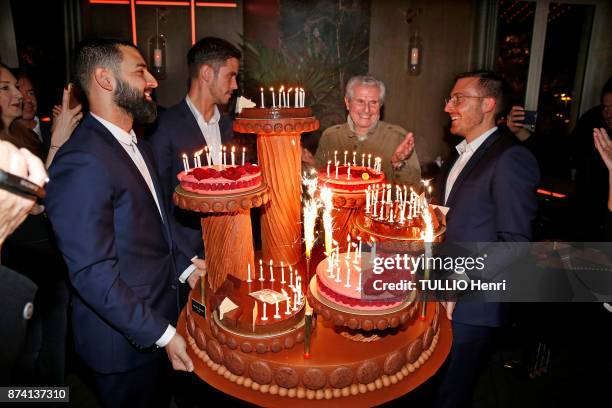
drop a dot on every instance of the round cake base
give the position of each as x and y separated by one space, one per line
326 342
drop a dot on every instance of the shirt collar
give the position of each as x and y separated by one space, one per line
465 147
119 134
351 126
215 117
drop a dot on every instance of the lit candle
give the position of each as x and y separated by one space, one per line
271 271
261 278
296 97
233 156
354 155
358 289
369 160
367 209
281 96
264 317
221 155
363 160
273 98
263 105
303 97
195 160
348 174
288 98
345 154
348 275
337 165
207 156
391 214
359 248
388 193
249 273
335 157
225 155
375 205
290 277
328 164
243 154
185 163
348 246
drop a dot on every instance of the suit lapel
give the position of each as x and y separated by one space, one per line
119 151
474 160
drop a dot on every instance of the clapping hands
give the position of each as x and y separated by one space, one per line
403 151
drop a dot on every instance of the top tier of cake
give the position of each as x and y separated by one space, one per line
359 179
275 113
219 179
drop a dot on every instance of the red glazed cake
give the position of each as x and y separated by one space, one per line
275 113
219 179
360 179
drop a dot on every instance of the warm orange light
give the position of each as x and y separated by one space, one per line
109 1
133 15
550 193
193 30
45 119
161 3
208 4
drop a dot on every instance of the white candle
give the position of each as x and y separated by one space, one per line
249 273
359 248
288 311
345 154
233 155
348 275
271 271
367 209
288 98
290 277
296 97
277 314
369 160
354 162
261 278
328 164
281 96
348 174
225 155
208 162
358 289
391 214
375 205
195 160
243 154
264 317
273 98
185 163
337 169
335 157
363 160
263 105
282 272
348 246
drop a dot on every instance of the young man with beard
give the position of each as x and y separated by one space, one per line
195 122
106 207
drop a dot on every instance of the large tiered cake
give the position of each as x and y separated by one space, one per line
221 179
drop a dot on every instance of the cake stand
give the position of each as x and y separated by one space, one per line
346 207
226 229
280 157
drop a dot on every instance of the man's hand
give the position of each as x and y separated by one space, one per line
200 271
177 353
514 123
403 151
307 158
450 308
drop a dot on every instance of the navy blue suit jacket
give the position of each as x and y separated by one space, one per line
492 200
118 250
177 132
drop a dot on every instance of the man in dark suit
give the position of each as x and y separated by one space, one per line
490 189
106 206
196 122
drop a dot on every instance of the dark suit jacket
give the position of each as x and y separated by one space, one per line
493 200
118 251
177 132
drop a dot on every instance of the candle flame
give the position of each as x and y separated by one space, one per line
233 149
282 88
272 88
261 89
290 89
184 156
326 199
199 152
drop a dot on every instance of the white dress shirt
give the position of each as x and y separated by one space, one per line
210 130
37 129
466 150
128 142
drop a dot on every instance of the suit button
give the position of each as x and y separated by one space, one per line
28 311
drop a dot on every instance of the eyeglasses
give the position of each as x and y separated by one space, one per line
457 99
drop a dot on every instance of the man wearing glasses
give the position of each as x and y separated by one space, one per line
364 133
490 188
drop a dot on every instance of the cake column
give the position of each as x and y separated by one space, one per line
280 158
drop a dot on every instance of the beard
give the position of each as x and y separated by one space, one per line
135 103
